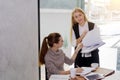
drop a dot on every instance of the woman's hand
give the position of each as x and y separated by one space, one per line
78 78
85 32
79 70
81 37
79 46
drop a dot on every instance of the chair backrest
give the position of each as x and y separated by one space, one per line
46 74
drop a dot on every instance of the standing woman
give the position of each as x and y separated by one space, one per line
80 26
53 57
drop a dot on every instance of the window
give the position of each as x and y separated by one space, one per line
61 4
105 13
99 11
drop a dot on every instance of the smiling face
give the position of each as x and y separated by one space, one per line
79 17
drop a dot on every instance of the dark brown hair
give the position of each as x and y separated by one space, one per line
48 42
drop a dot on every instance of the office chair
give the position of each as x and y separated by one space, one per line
46 74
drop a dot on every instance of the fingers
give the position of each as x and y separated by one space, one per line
79 46
73 78
79 70
85 31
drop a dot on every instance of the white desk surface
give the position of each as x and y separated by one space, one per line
114 76
59 77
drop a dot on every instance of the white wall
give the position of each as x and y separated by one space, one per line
18 40
56 20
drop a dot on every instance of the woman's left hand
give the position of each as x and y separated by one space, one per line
79 70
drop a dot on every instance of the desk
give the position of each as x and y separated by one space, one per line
114 76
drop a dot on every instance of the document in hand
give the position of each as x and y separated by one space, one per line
92 41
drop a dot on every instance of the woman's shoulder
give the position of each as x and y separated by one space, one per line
75 25
49 55
91 23
61 52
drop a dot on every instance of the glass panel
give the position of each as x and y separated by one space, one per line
106 14
59 4
55 16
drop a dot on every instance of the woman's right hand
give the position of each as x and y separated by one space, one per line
79 46
81 37
78 78
79 70
85 32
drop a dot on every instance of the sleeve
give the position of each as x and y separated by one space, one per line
95 26
73 39
68 60
50 66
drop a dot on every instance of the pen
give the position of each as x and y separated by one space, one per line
77 66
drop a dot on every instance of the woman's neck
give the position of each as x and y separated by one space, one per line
54 49
82 24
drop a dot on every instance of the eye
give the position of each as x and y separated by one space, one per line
79 14
75 16
62 41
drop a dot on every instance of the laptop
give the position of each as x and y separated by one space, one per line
94 76
92 41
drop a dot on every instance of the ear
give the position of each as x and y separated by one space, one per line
54 44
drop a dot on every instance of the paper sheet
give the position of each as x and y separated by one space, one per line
86 70
87 49
92 41
92 37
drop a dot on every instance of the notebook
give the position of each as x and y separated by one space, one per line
105 72
92 41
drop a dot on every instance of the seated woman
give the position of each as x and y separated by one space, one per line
53 57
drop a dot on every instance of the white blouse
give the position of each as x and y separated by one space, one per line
81 30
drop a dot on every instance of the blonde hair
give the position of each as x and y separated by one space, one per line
73 22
